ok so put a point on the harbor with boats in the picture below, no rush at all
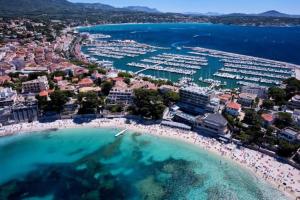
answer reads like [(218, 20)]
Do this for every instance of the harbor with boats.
[(202, 66)]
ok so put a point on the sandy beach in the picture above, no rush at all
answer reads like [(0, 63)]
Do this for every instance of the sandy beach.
[(282, 176)]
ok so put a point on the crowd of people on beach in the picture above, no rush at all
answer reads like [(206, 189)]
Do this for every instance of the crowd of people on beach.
[(283, 176)]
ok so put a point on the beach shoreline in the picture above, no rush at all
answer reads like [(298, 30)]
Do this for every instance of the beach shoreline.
[(282, 177)]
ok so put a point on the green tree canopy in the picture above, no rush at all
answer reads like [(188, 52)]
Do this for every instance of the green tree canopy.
[(268, 104), (58, 100), (170, 97), (283, 120), (278, 94), (106, 87), (148, 103), (124, 75), (251, 117), (88, 102)]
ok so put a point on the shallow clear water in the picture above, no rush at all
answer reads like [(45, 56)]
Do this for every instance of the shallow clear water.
[(93, 164)]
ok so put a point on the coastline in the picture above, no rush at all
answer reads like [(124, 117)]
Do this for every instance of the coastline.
[(282, 177)]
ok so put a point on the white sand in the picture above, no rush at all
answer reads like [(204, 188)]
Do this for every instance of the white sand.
[(283, 176)]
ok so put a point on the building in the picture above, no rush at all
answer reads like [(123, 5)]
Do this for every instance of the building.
[(296, 116), (233, 108), (35, 86), (225, 98), (247, 99), (90, 89), (214, 124), (176, 125), (290, 135), (294, 102), (7, 97), (5, 115), (70, 107), (25, 110), (120, 94), (198, 100), (167, 88), (267, 119), (185, 118), (260, 91), (136, 84), (86, 82)]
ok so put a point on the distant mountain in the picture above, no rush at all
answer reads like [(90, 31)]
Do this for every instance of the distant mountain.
[(273, 13), (94, 6), (203, 14), (142, 9), (270, 13), (19, 7), (34, 5)]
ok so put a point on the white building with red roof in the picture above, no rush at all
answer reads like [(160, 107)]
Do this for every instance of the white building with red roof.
[(233, 108)]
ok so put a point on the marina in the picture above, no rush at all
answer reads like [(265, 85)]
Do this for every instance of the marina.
[(118, 49), (201, 65)]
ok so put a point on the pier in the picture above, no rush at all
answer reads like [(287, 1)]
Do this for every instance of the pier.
[(140, 71), (121, 132)]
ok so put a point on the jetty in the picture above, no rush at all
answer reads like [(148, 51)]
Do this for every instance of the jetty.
[(121, 132)]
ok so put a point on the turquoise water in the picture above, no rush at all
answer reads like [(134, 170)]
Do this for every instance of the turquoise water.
[(93, 164), (277, 43)]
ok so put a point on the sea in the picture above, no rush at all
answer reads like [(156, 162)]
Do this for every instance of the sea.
[(91, 163), (276, 43)]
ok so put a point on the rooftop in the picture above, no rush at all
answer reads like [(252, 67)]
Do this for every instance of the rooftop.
[(234, 105), (267, 117), (247, 96), (197, 90), (215, 119), (86, 81)]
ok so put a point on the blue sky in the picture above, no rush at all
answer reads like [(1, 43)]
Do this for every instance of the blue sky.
[(203, 6)]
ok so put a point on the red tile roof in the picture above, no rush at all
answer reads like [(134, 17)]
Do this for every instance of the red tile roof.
[(118, 79), (233, 105), (267, 117), (86, 81), (4, 79), (43, 93)]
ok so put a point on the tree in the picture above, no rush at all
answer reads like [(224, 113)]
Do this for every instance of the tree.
[(283, 120), (286, 149), (89, 102), (124, 75), (127, 81), (256, 135), (148, 103), (292, 87), (58, 73), (116, 108), (58, 100), (267, 104), (42, 103), (106, 86), (251, 117), (170, 97), (278, 95)]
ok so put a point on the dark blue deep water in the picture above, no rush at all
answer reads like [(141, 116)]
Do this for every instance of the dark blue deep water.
[(277, 43)]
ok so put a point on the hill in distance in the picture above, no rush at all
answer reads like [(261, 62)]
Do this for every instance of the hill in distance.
[(270, 13), (142, 9)]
